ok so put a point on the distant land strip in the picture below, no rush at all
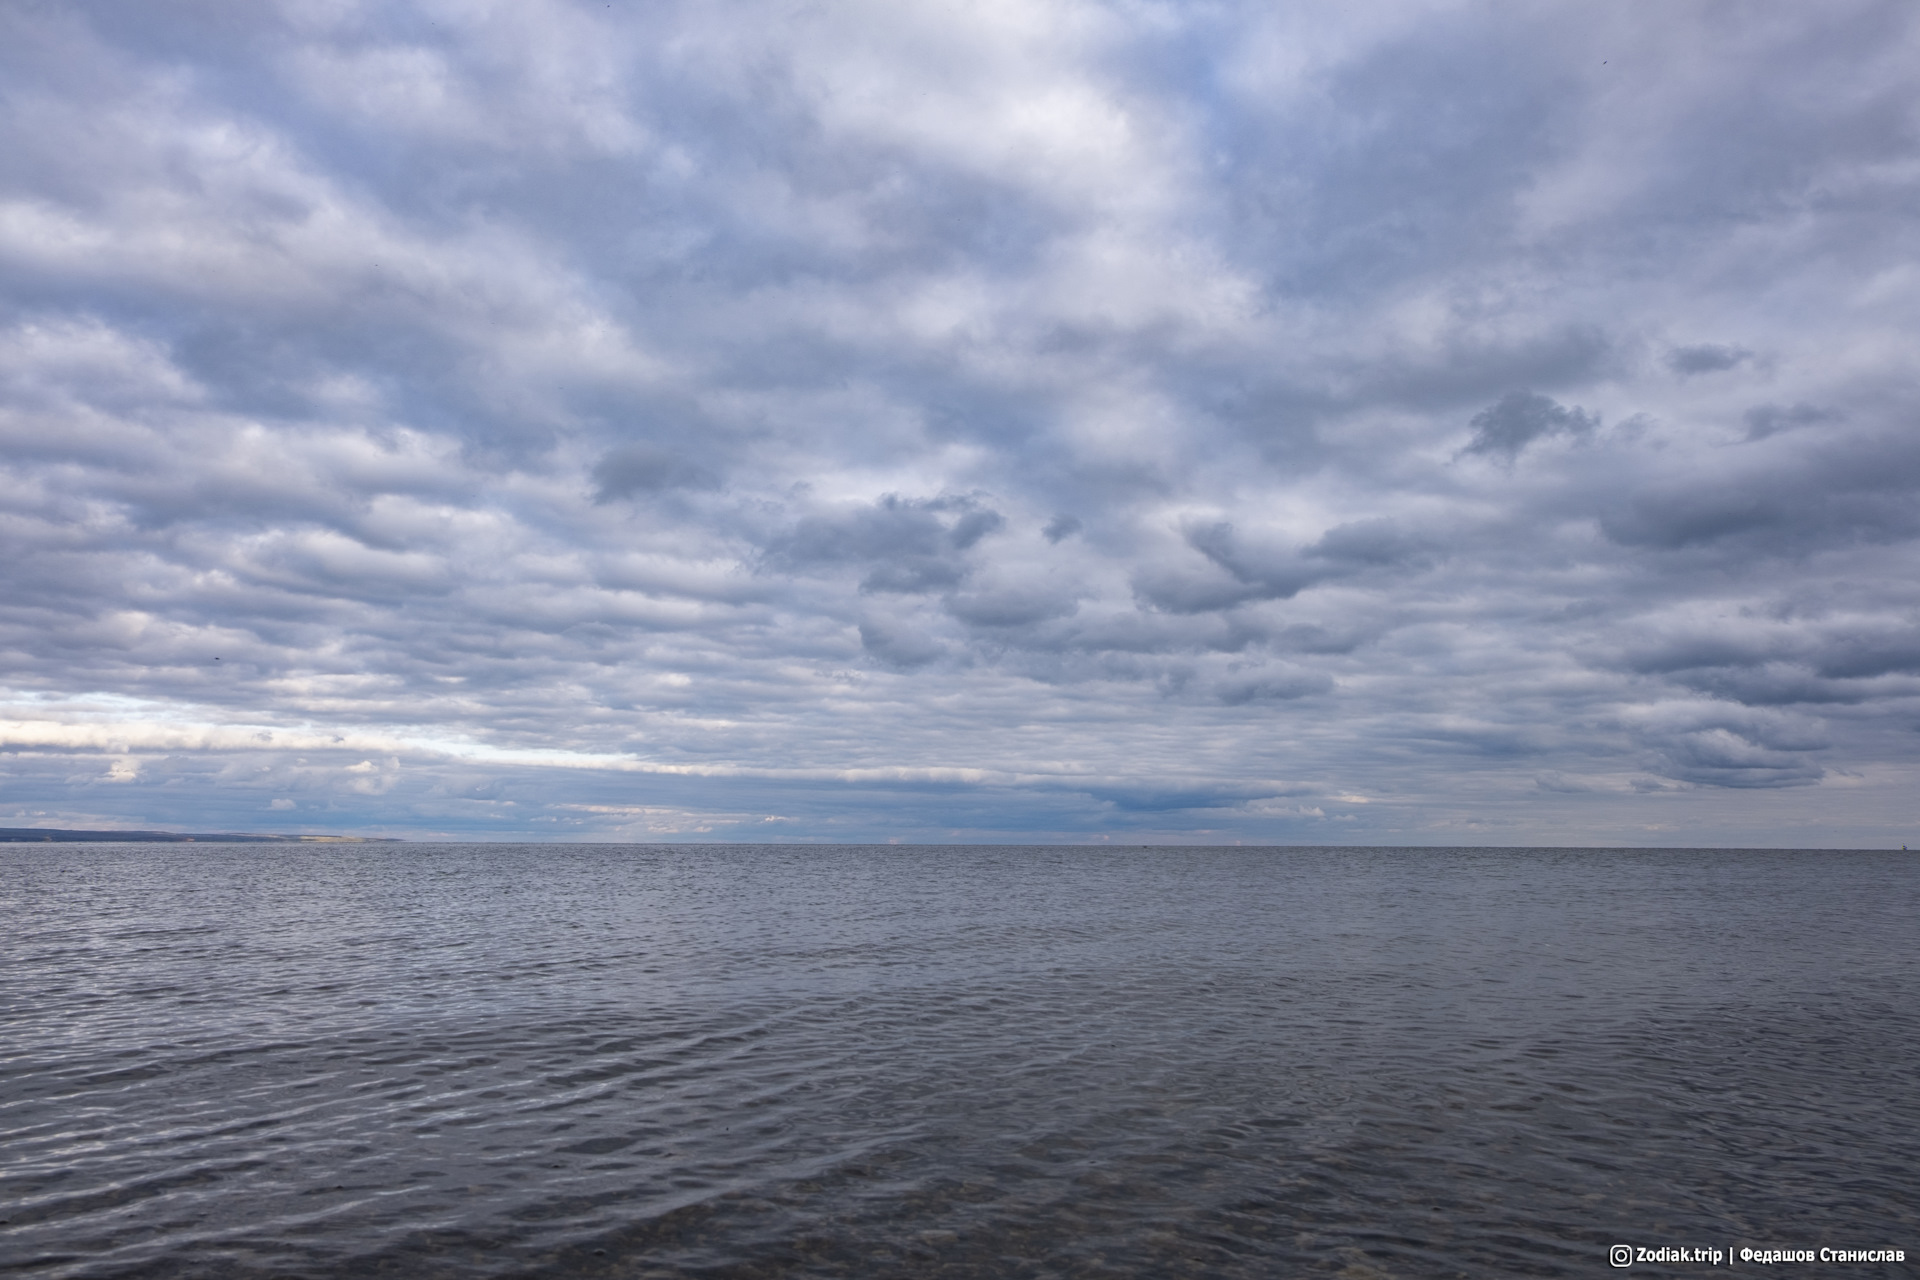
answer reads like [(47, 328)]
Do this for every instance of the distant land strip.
[(56, 835)]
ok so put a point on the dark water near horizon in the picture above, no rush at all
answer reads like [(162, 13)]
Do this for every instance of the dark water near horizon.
[(735, 1061)]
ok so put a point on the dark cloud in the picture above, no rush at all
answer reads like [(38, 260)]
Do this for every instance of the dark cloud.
[(898, 648), (1522, 417), (1707, 358), (1784, 685), (1265, 572), (1247, 571), (1180, 590), (1856, 656), (1468, 365), (1835, 492), (1365, 543), (1747, 753), (1273, 687), (1010, 608), (638, 469), (1160, 798), (907, 546), (1771, 419), (890, 528)]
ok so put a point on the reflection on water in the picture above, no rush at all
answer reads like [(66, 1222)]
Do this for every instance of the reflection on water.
[(779, 1061)]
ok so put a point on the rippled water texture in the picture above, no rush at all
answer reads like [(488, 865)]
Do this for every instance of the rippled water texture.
[(969, 1062)]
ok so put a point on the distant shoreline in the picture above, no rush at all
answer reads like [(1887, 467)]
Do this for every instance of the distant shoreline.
[(58, 835)]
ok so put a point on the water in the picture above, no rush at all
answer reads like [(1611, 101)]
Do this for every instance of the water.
[(481, 1060)]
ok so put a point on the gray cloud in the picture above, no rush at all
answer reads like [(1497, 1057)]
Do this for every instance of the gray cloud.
[(1375, 542), (908, 546), (637, 469), (1771, 419), (1277, 686), (898, 648), (782, 422), (1010, 608), (1731, 748), (1708, 357), (1522, 417), (1833, 492)]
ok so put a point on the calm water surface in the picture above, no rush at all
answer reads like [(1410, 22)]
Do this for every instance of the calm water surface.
[(491, 1060)]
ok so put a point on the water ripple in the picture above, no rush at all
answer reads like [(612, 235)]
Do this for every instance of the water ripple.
[(471, 1061)]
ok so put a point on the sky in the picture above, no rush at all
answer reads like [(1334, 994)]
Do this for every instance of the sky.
[(1020, 420)]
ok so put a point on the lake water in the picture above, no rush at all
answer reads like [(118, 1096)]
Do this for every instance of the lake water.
[(736, 1061)]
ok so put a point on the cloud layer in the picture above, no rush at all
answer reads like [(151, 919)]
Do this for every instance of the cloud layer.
[(1423, 423)]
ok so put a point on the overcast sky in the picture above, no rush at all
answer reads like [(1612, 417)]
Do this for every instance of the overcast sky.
[(1381, 423)]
